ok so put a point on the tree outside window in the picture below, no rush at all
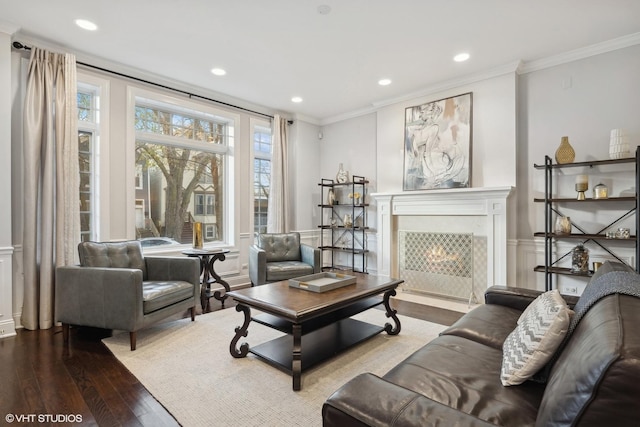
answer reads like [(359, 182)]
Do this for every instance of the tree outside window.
[(182, 156)]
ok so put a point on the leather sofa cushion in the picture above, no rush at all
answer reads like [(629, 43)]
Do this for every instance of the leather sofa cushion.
[(367, 400), (487, 324), (280, 246), (112, 254), (160, 294), (597, 373), (465, 375), (283, 270)]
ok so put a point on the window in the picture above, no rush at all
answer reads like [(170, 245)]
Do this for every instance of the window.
[(139, 177), (209, 232), (204, 204), (88, 114), (183, 155), (261, 175)]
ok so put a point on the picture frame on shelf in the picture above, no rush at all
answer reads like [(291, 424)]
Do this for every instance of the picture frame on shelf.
[(437, 144)]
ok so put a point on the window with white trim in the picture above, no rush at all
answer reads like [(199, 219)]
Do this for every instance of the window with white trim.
[(183, 153), (261, 175), (88, 102)]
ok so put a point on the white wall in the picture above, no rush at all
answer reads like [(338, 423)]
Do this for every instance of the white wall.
[(305, 166), (354, 144), (372, 145), (583, 100), (7, 324), (494, 134), (517, 120)]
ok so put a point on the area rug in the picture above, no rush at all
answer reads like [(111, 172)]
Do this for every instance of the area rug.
[(187, 367)]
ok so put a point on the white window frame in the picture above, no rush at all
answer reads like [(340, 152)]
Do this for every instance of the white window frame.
[(163, 100), (100, 165), (255, 123)]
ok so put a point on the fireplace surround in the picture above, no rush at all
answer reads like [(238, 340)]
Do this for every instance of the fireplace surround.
[(487, 212)]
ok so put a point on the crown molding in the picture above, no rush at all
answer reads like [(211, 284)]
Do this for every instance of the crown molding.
[(582, 53), (348, 115), (306, 119), (519, 67), (510, 68)]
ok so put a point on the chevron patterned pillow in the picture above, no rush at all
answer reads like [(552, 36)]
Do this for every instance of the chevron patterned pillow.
[(533, 342)]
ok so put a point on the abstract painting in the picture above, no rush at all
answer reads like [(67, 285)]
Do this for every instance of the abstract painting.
[(437, 144)]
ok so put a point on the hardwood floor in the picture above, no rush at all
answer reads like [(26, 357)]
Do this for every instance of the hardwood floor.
[(45, 380)]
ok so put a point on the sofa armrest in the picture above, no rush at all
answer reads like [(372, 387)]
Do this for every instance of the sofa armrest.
[(311, 256), (175, 268), (518, 298), (257, 265), (368, 400), (109, 298)]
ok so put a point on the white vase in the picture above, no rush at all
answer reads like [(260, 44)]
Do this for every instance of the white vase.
[(331, 197), (619, 145), (342, 176)]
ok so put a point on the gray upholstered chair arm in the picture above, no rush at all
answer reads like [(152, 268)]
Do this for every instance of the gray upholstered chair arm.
[(174, 268), (311, 256), (101, 297), (257, 265)]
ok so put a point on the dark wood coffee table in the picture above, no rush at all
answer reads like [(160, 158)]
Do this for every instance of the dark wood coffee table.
[(322, 319)]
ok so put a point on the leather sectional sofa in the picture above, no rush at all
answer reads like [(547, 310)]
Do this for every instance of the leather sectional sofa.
[(454, 380)]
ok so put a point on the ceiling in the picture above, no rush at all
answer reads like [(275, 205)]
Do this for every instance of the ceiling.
[(273, 50)]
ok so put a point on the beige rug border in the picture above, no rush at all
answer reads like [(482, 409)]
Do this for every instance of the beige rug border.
[(187, 367)]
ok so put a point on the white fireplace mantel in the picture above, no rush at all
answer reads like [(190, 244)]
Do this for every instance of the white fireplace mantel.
[(490, 203)]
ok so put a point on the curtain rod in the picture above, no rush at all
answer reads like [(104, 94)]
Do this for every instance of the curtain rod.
[(18, 45)]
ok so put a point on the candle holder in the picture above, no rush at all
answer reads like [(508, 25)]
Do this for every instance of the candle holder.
[(581, 187)]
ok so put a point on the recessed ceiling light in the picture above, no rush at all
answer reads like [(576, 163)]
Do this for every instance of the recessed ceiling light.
[(384, 82), (461, 57), (296, 99), (218, 71), (86, 25)]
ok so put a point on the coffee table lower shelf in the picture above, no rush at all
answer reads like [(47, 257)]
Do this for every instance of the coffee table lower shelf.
[(318, 345), (317, 326)]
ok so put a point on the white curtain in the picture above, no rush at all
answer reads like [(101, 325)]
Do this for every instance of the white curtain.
[(278, 220), (51, 181)]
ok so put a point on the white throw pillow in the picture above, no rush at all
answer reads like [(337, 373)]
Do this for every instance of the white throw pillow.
[(541, 329)]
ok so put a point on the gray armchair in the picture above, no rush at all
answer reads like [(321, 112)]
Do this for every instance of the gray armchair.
[(281, 256), (116, 287)]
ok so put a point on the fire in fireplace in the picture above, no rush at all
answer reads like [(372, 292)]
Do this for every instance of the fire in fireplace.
[(437, 263)]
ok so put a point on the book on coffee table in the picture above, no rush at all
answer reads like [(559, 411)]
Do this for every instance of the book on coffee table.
[(322, 282)]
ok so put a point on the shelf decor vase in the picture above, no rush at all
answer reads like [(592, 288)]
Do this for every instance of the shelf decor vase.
[(618, 145), (600, 191), (348, 221), (580, 259), (198, 237), (331, 197), (563, 225), (342, 176), (565, 152)]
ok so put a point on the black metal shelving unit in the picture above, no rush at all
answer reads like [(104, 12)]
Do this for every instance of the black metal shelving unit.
[(600, 239), (356, 249)]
